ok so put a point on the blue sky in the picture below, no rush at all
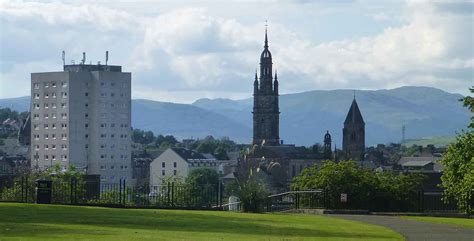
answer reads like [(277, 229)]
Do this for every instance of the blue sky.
[(181, 51)]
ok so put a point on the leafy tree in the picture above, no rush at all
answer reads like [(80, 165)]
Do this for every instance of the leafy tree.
[(202, 176), (458, 174), (252, 195)]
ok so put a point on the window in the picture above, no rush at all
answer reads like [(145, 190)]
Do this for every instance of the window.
[(46, 126), (36, 86), (103, 125), (46, 105), (53, 94), (87, 146), (37, 106), (53, 136), (102, 84), (103, 94), (86, 94), (174, 172), (46, 157), (112, 125), (46, 116), (87, 105), (46, 147), (53, 157), (64, 157), (64, 115), (86, 125), (36, 127), (63, 105), (163, 173), (36, 137), (36, 116), (46, 95), (53, 147), (86, 115), (112, 167), (102, 167), (53, 126), (46, 136), (53, 84), (64, 136), (112, 135), (53, 115), (63, 125), (103, 135), (64, 94), (64, 146), (174, 164), (37, 96), (64, 84), (46, 84), (86, 136), (53, 105), (163, 164), (102, 146), (37, 147)]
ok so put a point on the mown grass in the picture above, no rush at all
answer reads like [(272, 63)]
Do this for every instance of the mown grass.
[(463, 222), (55, 222)]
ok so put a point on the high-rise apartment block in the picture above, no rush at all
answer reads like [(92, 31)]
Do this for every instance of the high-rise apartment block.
[(82, 116)]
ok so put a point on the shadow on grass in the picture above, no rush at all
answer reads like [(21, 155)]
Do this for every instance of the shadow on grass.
[(38, 217)]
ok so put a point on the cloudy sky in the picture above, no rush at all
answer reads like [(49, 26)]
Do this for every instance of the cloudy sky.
[(181, 51)]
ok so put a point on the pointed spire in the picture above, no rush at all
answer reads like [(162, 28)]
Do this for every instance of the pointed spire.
[(276, 75), (256, 77), (266, 38)]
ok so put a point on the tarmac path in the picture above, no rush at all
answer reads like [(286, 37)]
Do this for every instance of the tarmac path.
[(414, 230)]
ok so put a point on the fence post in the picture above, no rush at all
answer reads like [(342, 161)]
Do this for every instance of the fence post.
[(172, 194), (124, 191), (169, 193)]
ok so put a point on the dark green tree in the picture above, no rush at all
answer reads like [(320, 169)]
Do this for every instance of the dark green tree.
[(203, 176)]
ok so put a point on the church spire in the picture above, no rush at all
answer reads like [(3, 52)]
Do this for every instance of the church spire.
[(266, 38)]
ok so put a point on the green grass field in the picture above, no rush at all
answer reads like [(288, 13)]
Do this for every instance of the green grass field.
[(464, 222), (54, 222)]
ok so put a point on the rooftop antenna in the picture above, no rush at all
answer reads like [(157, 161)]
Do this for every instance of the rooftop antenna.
[(64, 58), (106, 57), (83, 58)]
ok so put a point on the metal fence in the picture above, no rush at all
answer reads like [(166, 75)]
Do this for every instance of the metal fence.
[(81, 192), (420, 201)]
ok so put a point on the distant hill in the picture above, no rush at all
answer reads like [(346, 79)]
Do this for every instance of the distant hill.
[(306, 116), (437, 141), (19, 104)]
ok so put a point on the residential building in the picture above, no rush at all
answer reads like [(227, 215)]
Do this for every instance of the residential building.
[(176, 163), (81, 116)]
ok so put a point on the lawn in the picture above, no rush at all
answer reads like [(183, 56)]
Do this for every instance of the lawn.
[(55, 222), (464, 222)]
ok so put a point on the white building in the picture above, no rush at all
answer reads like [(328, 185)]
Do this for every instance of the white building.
[(176, 163), (82, 116)]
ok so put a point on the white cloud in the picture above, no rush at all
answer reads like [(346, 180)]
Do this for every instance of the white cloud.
[(185, 53)]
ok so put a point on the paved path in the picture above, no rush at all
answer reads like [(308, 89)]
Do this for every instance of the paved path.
[(414, 230)]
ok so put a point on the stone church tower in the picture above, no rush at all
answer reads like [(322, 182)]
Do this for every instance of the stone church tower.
[(353, 133), (266, 114)]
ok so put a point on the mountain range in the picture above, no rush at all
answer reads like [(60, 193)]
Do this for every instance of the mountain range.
[(305, 117)]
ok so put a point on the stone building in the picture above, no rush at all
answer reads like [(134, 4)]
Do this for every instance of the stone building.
[(82, 116), (353, 134), (266, 114)]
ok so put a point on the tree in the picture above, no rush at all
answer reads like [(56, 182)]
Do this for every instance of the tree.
[(203, 176), (458, 174)]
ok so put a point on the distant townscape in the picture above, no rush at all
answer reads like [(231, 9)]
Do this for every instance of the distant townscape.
[(80, 120)]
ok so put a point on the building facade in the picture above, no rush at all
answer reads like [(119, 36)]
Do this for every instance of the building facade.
[(176, 163), (266, 114), (353, 134), (81, 116)]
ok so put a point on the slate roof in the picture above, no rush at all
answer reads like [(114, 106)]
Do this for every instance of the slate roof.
[(354, 115), (416, 163), (188, 154), (404, 160)]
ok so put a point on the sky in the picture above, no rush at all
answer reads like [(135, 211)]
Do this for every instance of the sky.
[(181, 51)]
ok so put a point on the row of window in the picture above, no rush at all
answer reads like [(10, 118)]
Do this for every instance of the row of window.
[(47, 126), (53, 147), (49, 94), (51, 84), (163, 164), (103, 167), (47, 115), (53, 157), (163, 172), (47, 105), (47, 136), (123, 157)]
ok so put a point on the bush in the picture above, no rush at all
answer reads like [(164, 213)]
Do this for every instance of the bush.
[(253, 196)]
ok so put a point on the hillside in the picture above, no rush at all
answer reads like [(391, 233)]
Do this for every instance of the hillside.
[(306, 116)]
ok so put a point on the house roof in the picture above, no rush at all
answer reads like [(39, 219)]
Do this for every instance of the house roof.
[(188, 154), (416, 163), (354, 115), (418, 158)]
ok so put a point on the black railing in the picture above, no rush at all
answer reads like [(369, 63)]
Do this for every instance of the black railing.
[(80, 192), (420, 201)]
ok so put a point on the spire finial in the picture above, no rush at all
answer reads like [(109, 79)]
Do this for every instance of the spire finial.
[(256, 78), (266, 38), (276, 74), (354, 94)]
